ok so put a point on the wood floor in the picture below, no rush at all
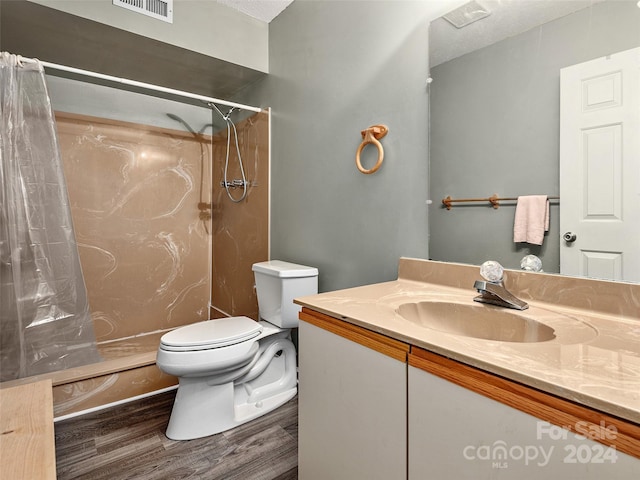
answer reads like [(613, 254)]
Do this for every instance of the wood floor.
[(128, 442)]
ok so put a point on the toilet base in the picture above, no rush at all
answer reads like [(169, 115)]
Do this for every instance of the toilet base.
[(204, 408)]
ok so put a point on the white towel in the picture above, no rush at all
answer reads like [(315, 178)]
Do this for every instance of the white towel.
[(531, 219)]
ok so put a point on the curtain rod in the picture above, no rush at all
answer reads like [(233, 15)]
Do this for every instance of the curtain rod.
[(147, 86)]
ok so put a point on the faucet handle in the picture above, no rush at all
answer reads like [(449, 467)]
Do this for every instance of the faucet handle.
[(492, 271), (531, 263)]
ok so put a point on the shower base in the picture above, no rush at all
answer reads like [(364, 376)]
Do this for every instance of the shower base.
[(127, 370)]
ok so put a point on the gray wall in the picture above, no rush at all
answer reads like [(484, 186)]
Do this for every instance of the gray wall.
[(206, 27), (495, 129), (168, 56), (336, 68)]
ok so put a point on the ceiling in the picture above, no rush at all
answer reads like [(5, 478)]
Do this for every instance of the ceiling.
[(264, 10), (507, 18)]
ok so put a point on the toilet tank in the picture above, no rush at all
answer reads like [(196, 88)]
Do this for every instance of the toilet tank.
[(277, 284)]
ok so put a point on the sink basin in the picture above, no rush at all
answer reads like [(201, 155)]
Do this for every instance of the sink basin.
[(478, 321)]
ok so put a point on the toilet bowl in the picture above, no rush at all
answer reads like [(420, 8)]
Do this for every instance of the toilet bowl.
[(234, 369)]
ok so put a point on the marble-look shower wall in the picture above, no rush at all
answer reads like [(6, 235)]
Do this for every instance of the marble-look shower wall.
[(144, 244), (241, 230)]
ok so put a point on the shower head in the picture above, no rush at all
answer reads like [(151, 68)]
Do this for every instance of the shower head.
[(175, 117)]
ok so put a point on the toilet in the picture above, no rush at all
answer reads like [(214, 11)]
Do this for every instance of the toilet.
[(232, 370)]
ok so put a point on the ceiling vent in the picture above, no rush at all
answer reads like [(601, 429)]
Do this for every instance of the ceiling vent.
[(466, 14), (159, 9)]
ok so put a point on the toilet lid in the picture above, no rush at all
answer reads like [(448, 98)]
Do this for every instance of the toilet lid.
[(211, 334)]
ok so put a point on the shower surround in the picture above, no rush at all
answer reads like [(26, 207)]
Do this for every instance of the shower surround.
[(151, 256), (134, 200), (240, 230)]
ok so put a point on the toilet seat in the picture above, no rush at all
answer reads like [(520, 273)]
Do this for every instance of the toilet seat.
[(210, 334)]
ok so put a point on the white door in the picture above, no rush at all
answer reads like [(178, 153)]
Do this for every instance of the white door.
[(600, 168)]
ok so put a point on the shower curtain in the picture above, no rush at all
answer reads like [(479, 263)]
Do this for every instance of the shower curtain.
[(44, 314)]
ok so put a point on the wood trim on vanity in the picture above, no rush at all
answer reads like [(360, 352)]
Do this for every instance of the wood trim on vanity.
[(547, 407), (26, 432), (375, 341)]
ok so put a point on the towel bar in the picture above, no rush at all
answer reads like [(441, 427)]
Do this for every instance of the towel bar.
[(494, 200)]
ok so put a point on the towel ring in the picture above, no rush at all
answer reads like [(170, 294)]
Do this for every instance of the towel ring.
[(372, 135)]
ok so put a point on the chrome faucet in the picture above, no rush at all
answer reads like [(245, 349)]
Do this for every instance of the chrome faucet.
[(492, 290), (496, 294)]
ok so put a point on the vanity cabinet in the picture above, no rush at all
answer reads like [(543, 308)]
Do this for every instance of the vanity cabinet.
[(352, 402), (372, 407), (497, 419), (464, 423)]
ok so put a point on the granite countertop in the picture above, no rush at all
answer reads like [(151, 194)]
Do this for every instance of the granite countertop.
[(593, 360)]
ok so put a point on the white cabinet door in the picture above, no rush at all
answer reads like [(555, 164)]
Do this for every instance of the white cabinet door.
[(455, 433), (352, 410)]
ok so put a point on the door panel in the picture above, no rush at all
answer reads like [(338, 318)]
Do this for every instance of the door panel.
[(600, 167)]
